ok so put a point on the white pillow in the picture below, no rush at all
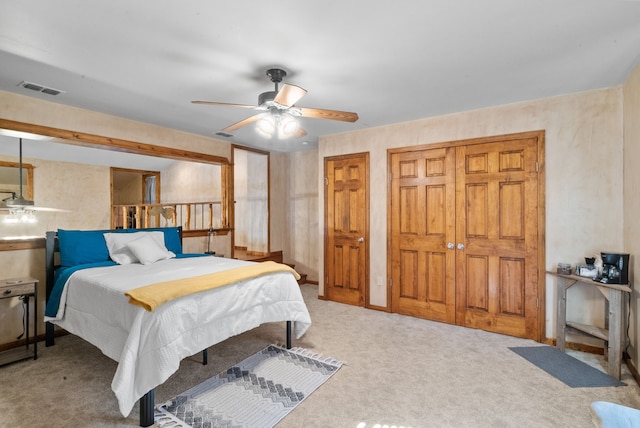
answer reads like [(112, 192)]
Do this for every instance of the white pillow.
[(117, 245), (148, 250)]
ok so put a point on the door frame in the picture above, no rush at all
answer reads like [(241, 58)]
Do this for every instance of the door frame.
[(367, 234), (232, 191), (113, 171), (541, 258)]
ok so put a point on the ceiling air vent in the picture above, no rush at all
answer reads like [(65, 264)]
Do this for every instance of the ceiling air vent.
[(40, 88), (224, 134)]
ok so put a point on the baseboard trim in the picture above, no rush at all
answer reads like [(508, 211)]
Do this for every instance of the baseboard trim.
[(581, 347), (378, 308)]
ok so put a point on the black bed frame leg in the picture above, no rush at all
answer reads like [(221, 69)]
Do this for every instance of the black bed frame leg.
[(48, 334), (147, 402)]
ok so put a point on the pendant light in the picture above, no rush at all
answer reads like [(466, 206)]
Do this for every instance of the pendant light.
[(20, 209)]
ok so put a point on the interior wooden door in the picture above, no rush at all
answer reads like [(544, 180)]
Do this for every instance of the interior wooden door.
[(497, 237), (347, 228), (423, 232)]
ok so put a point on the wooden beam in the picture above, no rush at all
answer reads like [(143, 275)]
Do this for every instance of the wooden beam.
[(21, 244), (115, 144)]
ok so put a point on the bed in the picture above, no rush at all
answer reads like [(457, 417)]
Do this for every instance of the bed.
[(86, 286)]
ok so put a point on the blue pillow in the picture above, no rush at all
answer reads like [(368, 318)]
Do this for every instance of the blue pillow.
[(78, 247)]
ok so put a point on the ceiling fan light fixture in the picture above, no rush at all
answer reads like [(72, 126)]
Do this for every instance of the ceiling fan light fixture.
[(278, 124), (288, 126), (266, 126)]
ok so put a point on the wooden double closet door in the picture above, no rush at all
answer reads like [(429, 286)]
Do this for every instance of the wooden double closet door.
[(466, 233)]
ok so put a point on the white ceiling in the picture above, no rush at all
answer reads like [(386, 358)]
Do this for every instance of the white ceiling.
[(390, 62)]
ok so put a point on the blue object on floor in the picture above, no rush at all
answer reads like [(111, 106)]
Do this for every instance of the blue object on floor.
[(611, 415), (564, 367)]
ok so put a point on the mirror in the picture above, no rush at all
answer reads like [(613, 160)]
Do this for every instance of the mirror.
[(91, 157), (188, 194), (251, 203), (10, 179)]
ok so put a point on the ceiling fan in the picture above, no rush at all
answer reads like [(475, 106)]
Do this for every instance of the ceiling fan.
[(279, 110)]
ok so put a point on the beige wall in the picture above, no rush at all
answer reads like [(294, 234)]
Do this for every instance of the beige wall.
[(632, 199), (583, 180), (278, 179), (191, 182), (302, 240), (81, 189), (88, 210)]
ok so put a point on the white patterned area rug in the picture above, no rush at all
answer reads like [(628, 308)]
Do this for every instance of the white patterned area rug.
[(258, 392)]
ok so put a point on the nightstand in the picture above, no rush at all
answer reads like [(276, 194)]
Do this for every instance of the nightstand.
[(24, 288)]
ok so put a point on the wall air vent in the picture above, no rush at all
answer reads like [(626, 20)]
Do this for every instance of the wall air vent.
[(224, 134), (40, 88)]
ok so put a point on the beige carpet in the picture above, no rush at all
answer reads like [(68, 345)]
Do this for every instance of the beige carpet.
[(398, 371)]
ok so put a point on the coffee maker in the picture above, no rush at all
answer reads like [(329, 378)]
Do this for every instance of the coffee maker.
[(615, 268)]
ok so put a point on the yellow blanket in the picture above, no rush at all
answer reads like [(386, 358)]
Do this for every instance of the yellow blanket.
[(153, 295)]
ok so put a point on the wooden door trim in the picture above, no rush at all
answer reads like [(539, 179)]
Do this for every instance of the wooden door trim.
[(323, 281), (541, 259), (144, 173), (539, 134), (390, 152), (542, 283)]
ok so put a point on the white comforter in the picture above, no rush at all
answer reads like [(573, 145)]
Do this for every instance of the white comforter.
[(150, 345)]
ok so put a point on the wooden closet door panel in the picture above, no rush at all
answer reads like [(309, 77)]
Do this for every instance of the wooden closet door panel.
[(422, 200), (496, 223)]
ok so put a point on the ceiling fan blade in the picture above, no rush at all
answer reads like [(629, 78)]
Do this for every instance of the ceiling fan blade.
[(214, 103), (316, 113), (242, 123), (289, 95)]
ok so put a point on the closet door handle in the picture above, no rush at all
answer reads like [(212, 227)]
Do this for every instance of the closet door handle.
[(361, 239), (461, 246), (450, 245)]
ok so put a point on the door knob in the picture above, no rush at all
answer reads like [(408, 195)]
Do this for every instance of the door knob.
[(450, 245), (461, 246), (360, 239)]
